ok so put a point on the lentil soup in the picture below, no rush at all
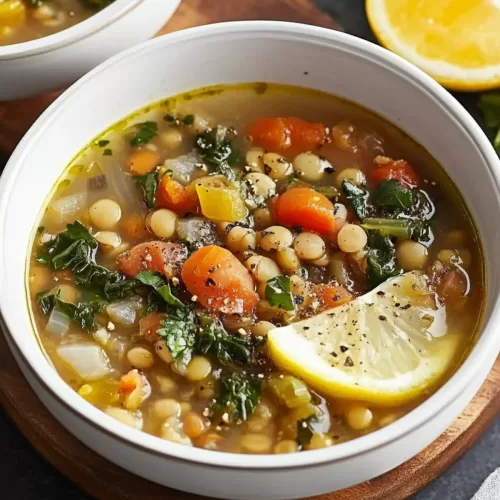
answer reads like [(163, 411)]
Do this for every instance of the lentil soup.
[(255, 269), (24, 20)]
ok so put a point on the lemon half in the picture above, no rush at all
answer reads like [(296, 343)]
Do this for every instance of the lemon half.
[(457, 42), (386, 347)]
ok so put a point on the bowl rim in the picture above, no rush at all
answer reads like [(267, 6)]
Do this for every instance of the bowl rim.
[(480, 355), (94, 23)]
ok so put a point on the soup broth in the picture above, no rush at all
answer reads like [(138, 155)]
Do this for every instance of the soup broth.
[(255, 269), (24, 20)]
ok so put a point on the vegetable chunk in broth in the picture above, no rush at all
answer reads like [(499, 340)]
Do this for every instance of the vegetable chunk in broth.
[(24, 20), (255, 269)]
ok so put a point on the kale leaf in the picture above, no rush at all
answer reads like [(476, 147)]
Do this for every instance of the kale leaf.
[(226, 348), (490, 106), (149, 184), (215, 148), (82, 313), (278, 293), (239, 395), (381, 259), (392, 194), (357, 197), (162, 287)]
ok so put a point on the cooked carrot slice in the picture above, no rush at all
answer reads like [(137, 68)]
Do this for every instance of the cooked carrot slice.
[(174, 196), (142, 161), (330, 296), (307, 208), (284, 135), (219, 281), (160, 256), (149, 325), (134, 227)]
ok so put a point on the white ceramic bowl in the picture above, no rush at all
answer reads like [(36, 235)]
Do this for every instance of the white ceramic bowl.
[(230, 53), (58, 60)]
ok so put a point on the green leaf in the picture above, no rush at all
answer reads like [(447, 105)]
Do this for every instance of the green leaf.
[(161, 285), (216, 149), (107, 152), (278, 293), (490, 106), (179, 332), (392, 194), (357, 197), (380, 259), (228, 349), (81, 313), (145, 131), (149, 184), (188, 120), (239, 395), (102, 143), (305, 430)]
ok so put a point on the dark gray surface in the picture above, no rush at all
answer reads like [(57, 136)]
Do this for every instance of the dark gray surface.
[(24, 475)]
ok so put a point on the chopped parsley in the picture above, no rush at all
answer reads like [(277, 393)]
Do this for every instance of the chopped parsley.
[(278, 293), (145, 131)]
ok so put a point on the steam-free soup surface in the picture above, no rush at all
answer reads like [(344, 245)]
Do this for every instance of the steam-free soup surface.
[(255, 269), (24, 20)]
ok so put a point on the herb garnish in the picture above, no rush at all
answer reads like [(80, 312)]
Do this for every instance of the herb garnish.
[(145, 131), (178, 330), (215, 148), (278, 293), (161, 286), (239, 395), (102, 143), (149, 184)]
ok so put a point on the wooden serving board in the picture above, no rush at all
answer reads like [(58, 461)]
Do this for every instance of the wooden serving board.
[(102, 479)]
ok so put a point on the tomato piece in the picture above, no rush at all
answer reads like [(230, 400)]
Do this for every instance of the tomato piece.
[(284, 135), (149, 325), (160, 256), (174, 196), (219, 281), (330, 296), (399, 170), (307, 208)]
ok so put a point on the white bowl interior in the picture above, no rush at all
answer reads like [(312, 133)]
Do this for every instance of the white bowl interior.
[(233, 53)]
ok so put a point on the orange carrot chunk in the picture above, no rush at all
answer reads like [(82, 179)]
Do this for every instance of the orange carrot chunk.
[(330, 296), (160, 256), (400, 171), (284, 135), (142, 161), (307, 208), (149, 325), (174, 196), (219, 281)]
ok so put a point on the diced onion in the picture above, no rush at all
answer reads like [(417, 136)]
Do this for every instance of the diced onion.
[(65, 209), (183, 167), (58, 324), (125, 311), (197, 229), (89, 361)]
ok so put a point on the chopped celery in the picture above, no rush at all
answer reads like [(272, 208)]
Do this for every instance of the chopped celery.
[(397, 228), (290, 391)]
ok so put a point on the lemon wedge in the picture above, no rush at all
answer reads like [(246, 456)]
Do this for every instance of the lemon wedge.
[(457, 42), (386, 347)]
